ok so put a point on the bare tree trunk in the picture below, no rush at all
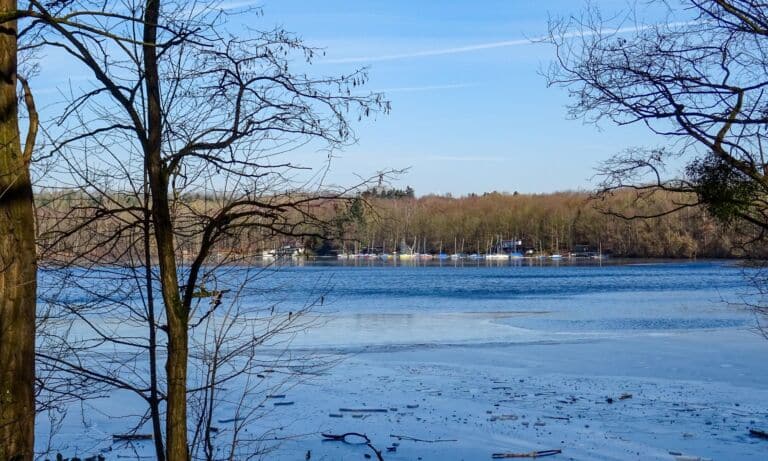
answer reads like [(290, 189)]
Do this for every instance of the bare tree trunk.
[(176, 366), (154, 397), (18, 266)]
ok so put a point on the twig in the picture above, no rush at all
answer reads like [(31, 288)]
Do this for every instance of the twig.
[(343, 438), (363, 410), (413, 439), (131, 436), (533, 454)]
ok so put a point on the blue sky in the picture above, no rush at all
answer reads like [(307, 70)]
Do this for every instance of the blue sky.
[(470, 110)]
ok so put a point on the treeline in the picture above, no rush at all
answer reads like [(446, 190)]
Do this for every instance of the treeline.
[(87, 227), (554, 222), (548, 223)]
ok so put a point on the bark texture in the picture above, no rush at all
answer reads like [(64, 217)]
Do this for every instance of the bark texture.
[(176, 366), (18, 267)]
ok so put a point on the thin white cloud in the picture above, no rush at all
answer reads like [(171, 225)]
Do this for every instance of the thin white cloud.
[(487, 46), (438, 52)]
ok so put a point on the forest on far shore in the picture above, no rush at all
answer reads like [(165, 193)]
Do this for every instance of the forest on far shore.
[(382, 220), (548, 223)]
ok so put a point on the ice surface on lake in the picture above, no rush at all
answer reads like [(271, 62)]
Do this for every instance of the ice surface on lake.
[(508, 359)]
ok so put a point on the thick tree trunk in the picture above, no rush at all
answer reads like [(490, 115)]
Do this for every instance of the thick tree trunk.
[(18, 267), (176, 365)]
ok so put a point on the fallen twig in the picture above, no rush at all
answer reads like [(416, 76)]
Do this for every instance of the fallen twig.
[(131, 436), (363, 410), (503, 418), (413, 439), (533, 454), (343, 438)]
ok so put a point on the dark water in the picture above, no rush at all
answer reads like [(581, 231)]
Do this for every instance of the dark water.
[(616, 296), (382, 282)]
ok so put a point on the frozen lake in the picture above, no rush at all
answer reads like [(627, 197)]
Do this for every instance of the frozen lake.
[(474, 360)]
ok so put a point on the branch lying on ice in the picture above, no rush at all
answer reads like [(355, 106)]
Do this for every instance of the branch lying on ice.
[(533, 454), (354, 438)]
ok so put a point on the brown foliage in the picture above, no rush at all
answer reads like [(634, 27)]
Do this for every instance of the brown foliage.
[(544, 222)]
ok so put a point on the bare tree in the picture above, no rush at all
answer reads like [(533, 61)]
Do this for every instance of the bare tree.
[(699, 79), (179, 106), (18, 262), (695, 73)]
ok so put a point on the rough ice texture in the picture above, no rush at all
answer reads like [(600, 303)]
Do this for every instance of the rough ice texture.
[(517, 374)]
